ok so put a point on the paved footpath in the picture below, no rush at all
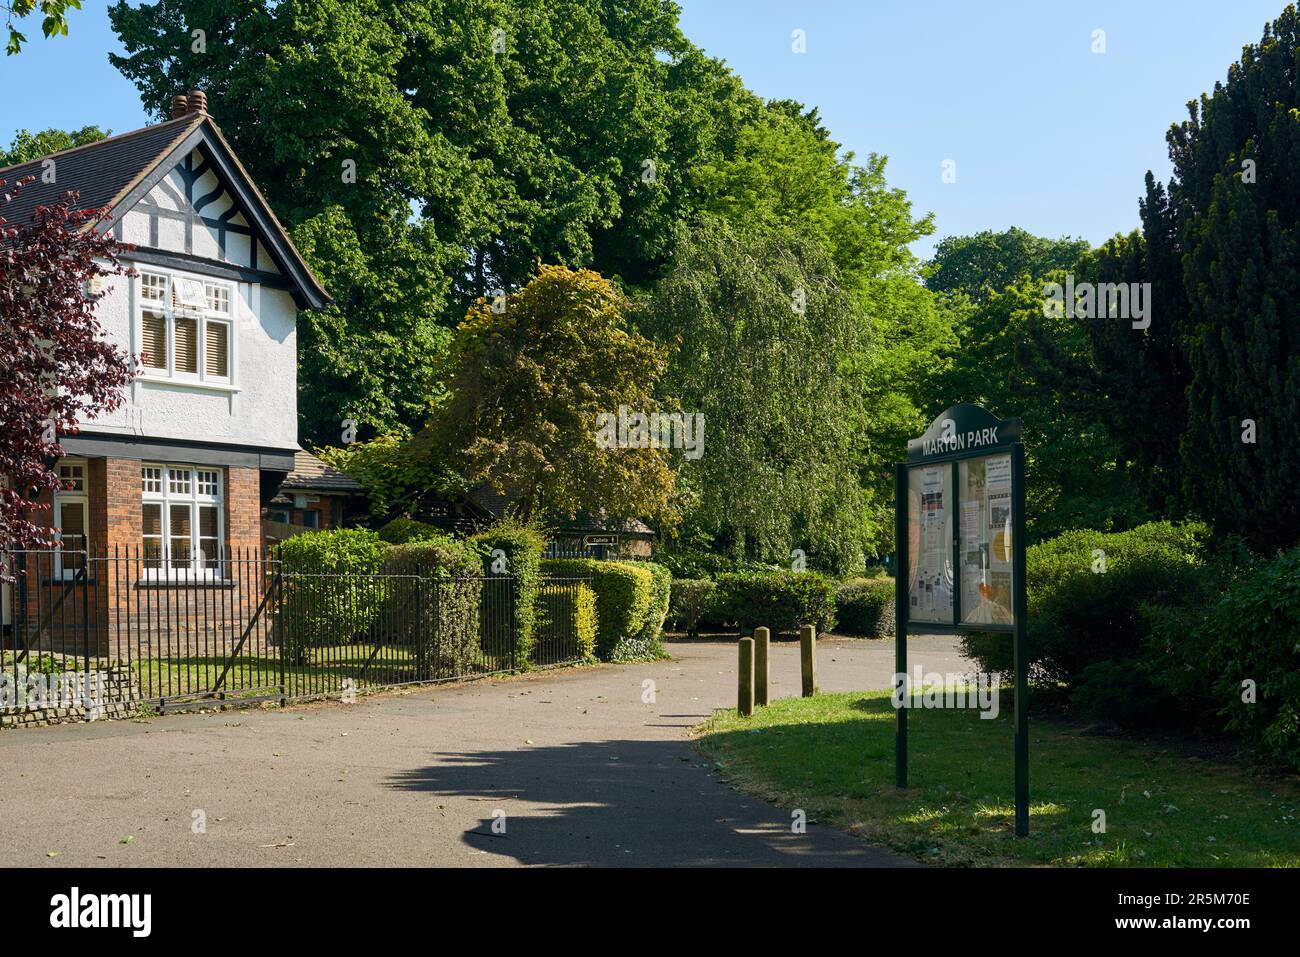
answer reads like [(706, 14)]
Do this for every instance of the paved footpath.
[(586, 773)]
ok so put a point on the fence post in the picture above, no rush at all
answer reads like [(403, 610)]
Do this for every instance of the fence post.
[(808, 659), (762, 641), (745, 681), (282, 620)]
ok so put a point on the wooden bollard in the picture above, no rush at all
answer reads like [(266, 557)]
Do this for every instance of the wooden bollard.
[(808, 659), (762, 641), (745, 680)]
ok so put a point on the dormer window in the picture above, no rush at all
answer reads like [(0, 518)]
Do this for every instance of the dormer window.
[(185, 328)]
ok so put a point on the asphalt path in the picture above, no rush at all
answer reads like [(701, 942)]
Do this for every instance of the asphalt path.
[(577, 766)]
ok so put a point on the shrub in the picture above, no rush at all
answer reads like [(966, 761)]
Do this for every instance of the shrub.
[(1078, 616), (661, 590), (568, 609), (1253, 633), (865, 606), (443, 620), (783, 601), (690, 600), (330, 594), (705, 563), (624, 596), (521, 548), (1115, 691), (401, 531)]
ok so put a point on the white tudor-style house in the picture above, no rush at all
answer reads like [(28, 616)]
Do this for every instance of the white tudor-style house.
[(209, 429)]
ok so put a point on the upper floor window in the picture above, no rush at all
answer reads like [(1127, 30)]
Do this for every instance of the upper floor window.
[(185, 328)]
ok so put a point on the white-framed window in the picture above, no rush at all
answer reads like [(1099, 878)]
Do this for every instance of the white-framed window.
[(183, 512), (71, 517), (185, 327)]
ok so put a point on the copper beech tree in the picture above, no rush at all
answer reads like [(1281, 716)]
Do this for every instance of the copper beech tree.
[(55, 364)]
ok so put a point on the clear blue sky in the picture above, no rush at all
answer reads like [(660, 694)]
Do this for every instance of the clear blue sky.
[(1045, 134)]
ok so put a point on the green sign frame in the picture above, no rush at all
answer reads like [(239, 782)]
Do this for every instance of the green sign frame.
[(970, 443)]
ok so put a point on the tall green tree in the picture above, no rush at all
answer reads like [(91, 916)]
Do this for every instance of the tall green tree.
[(1228, 219), (789, 181), (532, 382), (1017, 360), (28, 146), (1137, 381), (486, 135), (768, 351), (988, 262)]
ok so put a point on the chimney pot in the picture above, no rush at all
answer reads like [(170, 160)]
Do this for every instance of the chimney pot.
[(180, 106), (198, 102)]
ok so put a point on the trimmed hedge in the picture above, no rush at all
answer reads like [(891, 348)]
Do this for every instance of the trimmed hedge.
[(661, 591), (521, 547), (782, 601), (569, 609), (445, 621), (1078, 616), (689, 603), (402, 531), (865, 606), (329, 597), (624, 600)]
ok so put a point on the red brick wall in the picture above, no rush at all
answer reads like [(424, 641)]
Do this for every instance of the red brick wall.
[(243, 510), (120, 500), (130, 618)]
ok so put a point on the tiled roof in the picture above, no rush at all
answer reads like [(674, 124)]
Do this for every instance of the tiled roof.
[(103, 172), (310, 474)]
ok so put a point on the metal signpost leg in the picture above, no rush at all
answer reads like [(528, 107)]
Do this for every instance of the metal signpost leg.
[(1021, 650), (900, 620)]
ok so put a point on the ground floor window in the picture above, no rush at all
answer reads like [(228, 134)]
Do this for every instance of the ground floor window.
[(183, 511), (71, 517)]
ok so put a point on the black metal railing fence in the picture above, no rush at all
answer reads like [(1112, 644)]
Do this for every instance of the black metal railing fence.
[(244, 628)]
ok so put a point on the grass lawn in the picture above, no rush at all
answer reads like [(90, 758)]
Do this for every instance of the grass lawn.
[(833, 756)]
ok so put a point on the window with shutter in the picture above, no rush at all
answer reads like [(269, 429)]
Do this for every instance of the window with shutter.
[(187, 345), (217, 345), (154, 345)]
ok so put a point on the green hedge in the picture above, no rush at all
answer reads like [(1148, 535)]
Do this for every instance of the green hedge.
[(624, 598), (443, 622), (661, 591), (569, 609), (402, 531), (521, 548), (1253, 634), (865, 606), (329, 597), (1078, 616), (782, 601), (690, 602)]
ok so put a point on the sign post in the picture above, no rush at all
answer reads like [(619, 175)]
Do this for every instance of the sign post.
[(959, 531)]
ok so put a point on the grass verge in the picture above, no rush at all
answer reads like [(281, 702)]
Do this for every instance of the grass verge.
[(833, 756)]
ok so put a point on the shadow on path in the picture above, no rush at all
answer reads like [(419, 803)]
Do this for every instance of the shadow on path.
[(625, 803)]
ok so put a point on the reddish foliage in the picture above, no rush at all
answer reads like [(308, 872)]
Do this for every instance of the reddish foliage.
[(55, 363)]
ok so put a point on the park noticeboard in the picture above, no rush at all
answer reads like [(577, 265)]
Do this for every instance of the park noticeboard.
[(960, 546)]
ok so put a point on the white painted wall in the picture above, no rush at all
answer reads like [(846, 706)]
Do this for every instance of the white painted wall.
[(258, 408)]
